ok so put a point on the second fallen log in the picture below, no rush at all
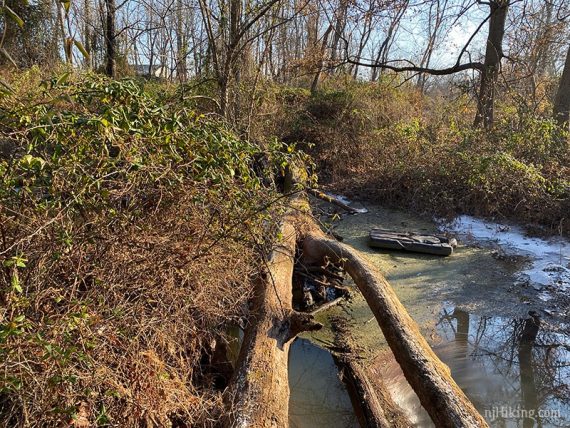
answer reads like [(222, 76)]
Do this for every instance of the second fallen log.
[(442, 398)]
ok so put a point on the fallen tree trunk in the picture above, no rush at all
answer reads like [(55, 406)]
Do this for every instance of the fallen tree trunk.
[(258, 395), (373, 406), (331, 200), (444, 401)]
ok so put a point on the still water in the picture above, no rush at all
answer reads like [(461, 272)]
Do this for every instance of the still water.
[(318, 397), (515, 371), (513, 365)]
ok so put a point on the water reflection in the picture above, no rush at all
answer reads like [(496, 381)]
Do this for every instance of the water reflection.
[(516, 371), (318, 397)]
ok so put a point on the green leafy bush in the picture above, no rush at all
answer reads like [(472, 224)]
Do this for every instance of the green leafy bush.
[(399, 147)]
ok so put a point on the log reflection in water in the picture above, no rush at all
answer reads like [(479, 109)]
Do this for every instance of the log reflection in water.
[(506, 363)]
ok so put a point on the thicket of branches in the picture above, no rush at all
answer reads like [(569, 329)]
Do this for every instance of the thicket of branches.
[(131, 228), (520, 43)]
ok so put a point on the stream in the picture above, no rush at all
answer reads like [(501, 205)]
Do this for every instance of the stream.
[(496, 312)]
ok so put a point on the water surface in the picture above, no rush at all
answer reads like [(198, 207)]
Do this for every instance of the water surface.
[(474, 311), (318, 397)]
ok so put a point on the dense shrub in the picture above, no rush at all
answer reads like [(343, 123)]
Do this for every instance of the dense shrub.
[(131, 228), (398, 147)]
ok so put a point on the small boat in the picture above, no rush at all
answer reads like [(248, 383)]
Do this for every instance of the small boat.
[(414, 242)]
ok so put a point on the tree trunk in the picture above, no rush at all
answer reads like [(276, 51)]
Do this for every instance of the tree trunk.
[(492, 64), (67, 44), (445, 402), (87, 34), (110, 41), (366, 32), (181, 44), (384, 50), (321, 60), (223, 84), (339, 29), (562, 100), (259, 392), (434, 27)]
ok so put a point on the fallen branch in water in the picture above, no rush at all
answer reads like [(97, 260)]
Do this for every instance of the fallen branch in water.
[(331, 200), (444, 401), (328, 305)]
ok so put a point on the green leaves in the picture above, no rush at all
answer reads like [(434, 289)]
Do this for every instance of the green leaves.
[(82, 49), (14, 327), (31, 162), (15, 282), (8, 12), (15, 263), (92, 137), (95, 159)]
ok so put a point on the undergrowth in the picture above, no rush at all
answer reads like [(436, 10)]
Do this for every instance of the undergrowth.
[(394, 146), (131, 228)]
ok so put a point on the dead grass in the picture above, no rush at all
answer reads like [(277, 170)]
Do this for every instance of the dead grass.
[(117, 326), (131, 230)]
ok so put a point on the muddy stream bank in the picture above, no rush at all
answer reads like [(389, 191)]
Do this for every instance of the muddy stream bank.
[(496, 312)]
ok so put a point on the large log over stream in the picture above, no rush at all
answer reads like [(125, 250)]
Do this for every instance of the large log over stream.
[(444, 401), (258, 394)]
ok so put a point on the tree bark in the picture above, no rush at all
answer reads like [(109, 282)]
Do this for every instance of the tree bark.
[(110, 42), (445, 402), (435, 20), (340, 25), (562, 99), (259, 392), (87, 33), (321, 60), (181, 44), (492, 64), (384, 50), (372, 409)]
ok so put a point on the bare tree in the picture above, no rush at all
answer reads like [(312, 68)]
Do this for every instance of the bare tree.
[(385, 45), (435, 17), (562, 99), (492, 64)]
